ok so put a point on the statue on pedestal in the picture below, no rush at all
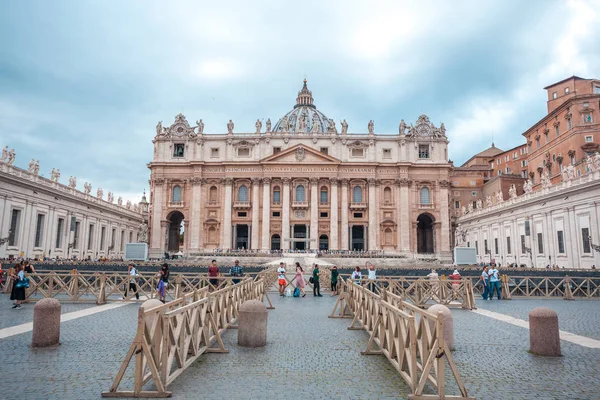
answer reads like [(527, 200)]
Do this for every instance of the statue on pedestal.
[(111, 197), (528, 186), (470, 207), (331, 128), (230, 126), (4, 154), (402, 127), (512, 191), (36, 167), (597, 161), (371, 127), (315, 123), (11, 157), (268, 125), (546, 183), (120, 201), (143, 232), (258, 126), (499, 196), (99, 193), (128, 204), (55, 175), (200, 126), (284, 124), (72, 182), (488, 201), (479, 204), (159, 128), (31, 166), (344, 127), (87, 188)]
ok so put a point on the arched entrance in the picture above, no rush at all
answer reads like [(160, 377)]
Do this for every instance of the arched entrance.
[(357, 237), (175, 231), (323, 242), (275, 242), (425, 234)]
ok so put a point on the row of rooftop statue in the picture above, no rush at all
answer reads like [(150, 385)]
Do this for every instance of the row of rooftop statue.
[(568, 174), (9, 156), (289, 125)]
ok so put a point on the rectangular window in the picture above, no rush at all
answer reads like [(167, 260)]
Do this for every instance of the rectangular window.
[(276, 196), (485, 246), (387, 153), (507, 170), (214, 152), (323, 196), (523, 251), (15, 222), (569, 124), (585, 235), (76, 235), (506, 158), (423, 151), (130, 237), (557, 130), (324, 150), (561, 242), (243, 152), (39, 230), (112, 238), (476, 248), (358, 215), (59, 232), (554, 95), (324, 215), (508, 245), (277, 213), (102, 237), (537, 143), (596, 89), (589, 139), (540, 239), (242, 214), (276, 150), (358, 152), (122, 241), (566, 90), (495, 245), (523, 163), (90, 237), (457, 204), (178, 149)]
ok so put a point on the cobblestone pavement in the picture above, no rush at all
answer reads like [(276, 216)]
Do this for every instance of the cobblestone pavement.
[(309, 356)]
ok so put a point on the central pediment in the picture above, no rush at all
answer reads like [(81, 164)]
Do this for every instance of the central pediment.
[(300, 154)]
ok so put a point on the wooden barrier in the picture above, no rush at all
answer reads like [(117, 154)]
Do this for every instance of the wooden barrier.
[(567, 287), (172, 336), (411, 339)]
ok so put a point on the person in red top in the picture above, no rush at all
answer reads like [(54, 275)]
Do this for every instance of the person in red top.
[(455, 277), (213, 273)]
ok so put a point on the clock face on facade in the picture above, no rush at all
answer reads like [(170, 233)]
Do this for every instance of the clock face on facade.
[(180, 130), (423, 130)]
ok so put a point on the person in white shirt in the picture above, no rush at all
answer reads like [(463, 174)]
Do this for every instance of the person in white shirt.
[(281, 278), (372, 277), (132, 271), (485, 279), (356, 275), (494, 283)]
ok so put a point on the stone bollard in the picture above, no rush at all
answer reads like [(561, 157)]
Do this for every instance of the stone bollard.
[(544, 338), (447, 321), (46, 323), (252, 324)]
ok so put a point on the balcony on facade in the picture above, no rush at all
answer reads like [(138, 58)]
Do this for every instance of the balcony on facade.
[(428, 206), (300, 205), (175, 204), (242, 205), (358, 206)]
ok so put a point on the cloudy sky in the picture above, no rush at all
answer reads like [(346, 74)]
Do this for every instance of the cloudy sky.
[(83, 83)]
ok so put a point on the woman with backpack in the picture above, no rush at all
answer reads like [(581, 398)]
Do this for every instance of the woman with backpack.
[(299, 278)]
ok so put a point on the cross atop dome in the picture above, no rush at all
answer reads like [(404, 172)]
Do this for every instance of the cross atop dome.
[(304, 97)]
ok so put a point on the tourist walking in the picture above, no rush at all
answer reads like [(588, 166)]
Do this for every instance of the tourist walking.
[(334, 280), (132, 272), (281, 278), (316, 283), (236, 271), (213, 275), (299, 278), (485, 279), (455, 277), (18, 292), (434, 278), (494, 284), (163, 282), (356, 275), (372, 277)]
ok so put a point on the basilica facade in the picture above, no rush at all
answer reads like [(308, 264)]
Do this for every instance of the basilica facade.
[(300, 184)]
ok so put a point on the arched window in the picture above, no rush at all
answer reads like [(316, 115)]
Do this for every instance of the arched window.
[(323, 242), (300, 193), (357, 194), (212, 195), (324, 194), (276, 194), (387, 195), (176, 194), (212, 235), (388, 236), (425, 196), (243, 193)]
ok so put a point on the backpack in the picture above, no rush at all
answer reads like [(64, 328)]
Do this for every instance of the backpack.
[(297, 292), (311, 280)]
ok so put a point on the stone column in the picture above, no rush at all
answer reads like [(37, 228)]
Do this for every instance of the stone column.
[(333, 215), (404, 226), (314, 214), (345, 226), (156, 237), (195, 220), (444, 216), (255, 213), (372, 214), (226, 244), (285, 216), (266, 217)]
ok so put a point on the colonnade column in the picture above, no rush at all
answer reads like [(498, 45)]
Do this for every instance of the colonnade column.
[(195, 219), (372, 215), (226, 244), (444, 215), (314, 214), (404, 228), (266, 218), (285, 216), (255, 213), (344, 227), (333, 215)]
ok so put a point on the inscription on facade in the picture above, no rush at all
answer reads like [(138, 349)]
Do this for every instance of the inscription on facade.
[(293, 168), (243, 169), (358, 169)]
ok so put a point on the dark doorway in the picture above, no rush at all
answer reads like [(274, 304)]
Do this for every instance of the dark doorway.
[(300, 233), (425, 234), (175, 234), (241, 237), (323, 242), (358, 237), (275, 242)]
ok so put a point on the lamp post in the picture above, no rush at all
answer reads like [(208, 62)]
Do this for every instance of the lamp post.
[(5, 239)]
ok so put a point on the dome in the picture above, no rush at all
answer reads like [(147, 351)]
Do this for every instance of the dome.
[(303, 117)]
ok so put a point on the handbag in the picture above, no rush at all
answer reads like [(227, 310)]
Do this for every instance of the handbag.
[(22, 283), (311, 280)]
